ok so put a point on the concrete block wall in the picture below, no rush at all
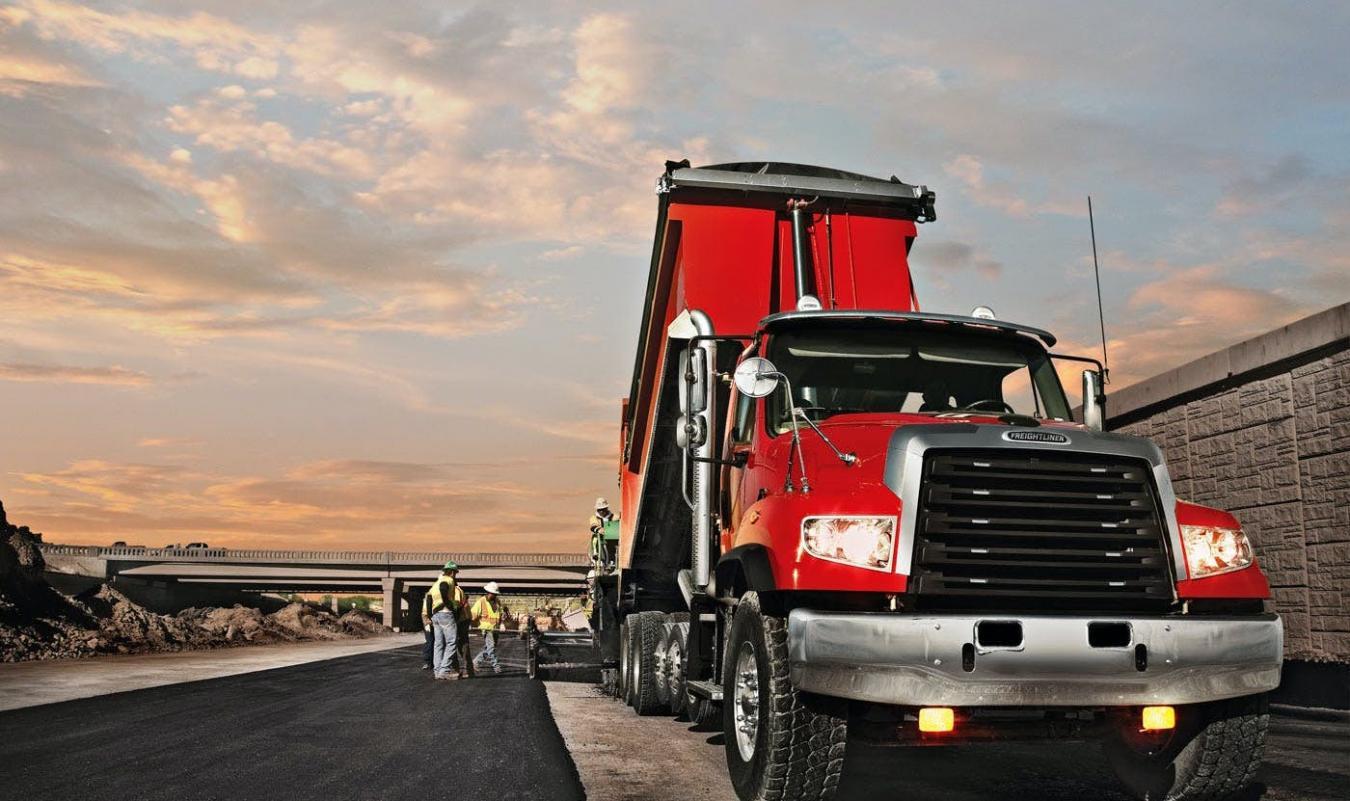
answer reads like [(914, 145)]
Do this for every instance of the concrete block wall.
[(1276, 453), (1270, 444)]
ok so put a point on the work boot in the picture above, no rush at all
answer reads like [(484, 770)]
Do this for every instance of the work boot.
[(463, 675)]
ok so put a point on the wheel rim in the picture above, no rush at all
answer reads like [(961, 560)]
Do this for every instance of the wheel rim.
[(674, 672), (660, 669), (745, 701)]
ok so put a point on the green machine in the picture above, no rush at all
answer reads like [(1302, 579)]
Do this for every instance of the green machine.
[(605, 545)]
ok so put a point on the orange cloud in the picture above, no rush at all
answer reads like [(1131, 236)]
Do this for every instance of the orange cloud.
[(342, 503), (66, 374)]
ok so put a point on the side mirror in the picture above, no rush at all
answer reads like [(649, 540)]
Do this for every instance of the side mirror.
[(1094, 400), (694, 389), (756, 377)]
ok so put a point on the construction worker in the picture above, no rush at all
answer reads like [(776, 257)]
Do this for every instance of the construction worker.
[(442, 606), (601, 552), (488, 612)]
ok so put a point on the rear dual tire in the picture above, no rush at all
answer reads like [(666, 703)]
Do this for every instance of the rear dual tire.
[(645, 631), (674, 664)]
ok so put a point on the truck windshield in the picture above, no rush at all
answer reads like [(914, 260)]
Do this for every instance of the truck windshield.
[(900, 369)]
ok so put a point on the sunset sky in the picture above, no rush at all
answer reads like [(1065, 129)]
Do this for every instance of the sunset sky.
[(353, 274)]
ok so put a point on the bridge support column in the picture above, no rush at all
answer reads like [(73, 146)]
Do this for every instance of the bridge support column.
[(393, 602)]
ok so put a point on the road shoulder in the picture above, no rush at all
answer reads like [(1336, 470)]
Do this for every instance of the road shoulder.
[(623, 757), (24, 684)]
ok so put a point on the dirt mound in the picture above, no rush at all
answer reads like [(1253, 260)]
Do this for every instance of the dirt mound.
[(21, 564), (360, 624), (37, 622)]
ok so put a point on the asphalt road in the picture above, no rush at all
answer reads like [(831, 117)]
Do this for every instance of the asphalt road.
[(371, 726)]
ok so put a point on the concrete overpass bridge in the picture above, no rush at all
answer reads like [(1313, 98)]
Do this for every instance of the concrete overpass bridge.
[(164, 578)]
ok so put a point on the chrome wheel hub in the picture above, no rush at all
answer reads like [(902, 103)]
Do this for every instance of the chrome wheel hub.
[(745, 701), (674, 672)]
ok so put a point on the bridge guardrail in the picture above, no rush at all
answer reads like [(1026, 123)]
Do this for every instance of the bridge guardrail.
[(391, 558)]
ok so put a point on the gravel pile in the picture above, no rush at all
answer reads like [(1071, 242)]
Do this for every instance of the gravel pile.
[(37, 622)]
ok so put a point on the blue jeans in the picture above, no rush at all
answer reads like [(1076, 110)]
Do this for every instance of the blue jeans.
[(443, 624), (489, 652)]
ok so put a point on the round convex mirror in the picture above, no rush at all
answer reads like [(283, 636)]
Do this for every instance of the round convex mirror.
[(756, 377)]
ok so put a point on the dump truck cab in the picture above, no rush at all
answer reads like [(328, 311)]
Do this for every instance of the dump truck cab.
[(846, 517)]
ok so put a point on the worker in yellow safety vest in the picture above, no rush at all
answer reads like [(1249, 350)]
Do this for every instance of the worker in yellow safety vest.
[(441, 608), (488, 612)]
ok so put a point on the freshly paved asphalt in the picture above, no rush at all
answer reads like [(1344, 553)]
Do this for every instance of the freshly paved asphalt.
[(374, 726), (371, 726)]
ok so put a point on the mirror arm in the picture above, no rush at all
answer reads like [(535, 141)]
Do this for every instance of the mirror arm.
[(846, 458), (1085, 360), (796, 435), (736, 460)]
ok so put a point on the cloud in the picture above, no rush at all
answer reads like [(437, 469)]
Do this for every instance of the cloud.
[(212, 42), (951, 256), (228, 124), (1191, 312), (169, 442), (1265, 192), (66, 374), (969, 171), (349, 502)]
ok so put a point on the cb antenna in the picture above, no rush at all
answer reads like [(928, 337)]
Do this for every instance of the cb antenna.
[(1097, 272)]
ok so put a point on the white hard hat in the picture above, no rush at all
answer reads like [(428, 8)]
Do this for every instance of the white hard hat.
[(601, 503), (491, 588)]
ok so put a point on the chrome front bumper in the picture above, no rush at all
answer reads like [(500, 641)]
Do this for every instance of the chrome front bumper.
[(917, 660)]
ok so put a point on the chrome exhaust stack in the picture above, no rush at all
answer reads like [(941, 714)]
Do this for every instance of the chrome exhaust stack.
[(694, 433)]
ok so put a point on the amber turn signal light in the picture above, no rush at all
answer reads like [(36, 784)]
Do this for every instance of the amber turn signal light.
[(1159, 718), (937, 719)]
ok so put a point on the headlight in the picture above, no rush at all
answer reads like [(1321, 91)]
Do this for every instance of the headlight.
[(862, 541), (1211, 550)]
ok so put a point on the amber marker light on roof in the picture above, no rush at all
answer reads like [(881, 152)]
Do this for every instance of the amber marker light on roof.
[(1159, 718), (936, 719)]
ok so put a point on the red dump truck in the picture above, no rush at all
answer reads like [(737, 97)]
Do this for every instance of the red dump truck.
[(847, 519)]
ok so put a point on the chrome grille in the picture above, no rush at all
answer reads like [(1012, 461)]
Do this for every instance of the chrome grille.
[(1038, 530)]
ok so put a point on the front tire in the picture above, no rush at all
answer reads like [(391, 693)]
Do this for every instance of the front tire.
[(1211, 755), (781, 745)]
